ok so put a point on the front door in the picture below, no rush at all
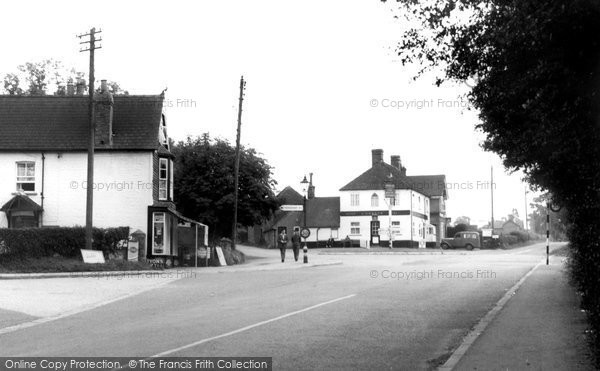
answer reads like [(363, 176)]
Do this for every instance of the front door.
[(375, 232)]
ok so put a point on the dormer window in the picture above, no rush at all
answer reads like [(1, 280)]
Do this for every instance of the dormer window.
[(26, 176)]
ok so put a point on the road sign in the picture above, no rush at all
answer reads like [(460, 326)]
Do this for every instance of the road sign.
[(202, 252), (132, 250), (305, 232), (92, 256), (390, 190), (291, 207)]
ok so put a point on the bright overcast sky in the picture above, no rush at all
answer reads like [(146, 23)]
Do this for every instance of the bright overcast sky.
[(314, 69)]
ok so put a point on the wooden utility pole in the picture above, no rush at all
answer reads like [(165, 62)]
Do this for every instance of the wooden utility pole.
[(89, 206), (236, 170)]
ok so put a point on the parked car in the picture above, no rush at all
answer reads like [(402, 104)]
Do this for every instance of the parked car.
[(467, 239)]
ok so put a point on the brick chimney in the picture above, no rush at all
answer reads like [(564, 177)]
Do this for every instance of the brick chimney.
[(395, 162), (311, 188), (104, 116), (80, 87), (376, 156), (70, 88)]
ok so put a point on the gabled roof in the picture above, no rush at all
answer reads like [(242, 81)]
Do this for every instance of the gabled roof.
[(289, 196), (323, 212), (21, 203), (430, 185), (60, 123), (377, 176)]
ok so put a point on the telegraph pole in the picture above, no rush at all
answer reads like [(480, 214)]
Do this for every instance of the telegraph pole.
[(89, 206), (236, 170)]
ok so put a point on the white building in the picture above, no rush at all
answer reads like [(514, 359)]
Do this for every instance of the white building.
[(367, 215), (43, 156)]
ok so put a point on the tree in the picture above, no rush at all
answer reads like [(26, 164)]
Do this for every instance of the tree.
[(463, 220), (459, 227), (204, 182), (44, 77), (536, 71)]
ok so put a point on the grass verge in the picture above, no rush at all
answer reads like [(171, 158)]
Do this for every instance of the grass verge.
[(61, 264)]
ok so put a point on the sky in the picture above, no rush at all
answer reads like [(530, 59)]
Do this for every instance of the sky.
[(324, 86)]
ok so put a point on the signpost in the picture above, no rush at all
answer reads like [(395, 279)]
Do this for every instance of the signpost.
[(390, 195), (221, 256), (92, 256), (132, 250)]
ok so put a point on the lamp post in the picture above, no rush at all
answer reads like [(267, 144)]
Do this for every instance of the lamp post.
[(304, 183)]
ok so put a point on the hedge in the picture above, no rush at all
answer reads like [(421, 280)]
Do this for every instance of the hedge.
[(65, 241), (521, 236)]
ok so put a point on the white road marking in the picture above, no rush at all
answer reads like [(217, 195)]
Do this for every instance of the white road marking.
[(485, 321), (40, 321), (174, 350)]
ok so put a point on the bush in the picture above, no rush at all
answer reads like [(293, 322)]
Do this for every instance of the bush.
[(64, 241), (508, 239), (521, 236)]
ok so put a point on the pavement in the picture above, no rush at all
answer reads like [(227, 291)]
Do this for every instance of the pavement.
[(541, 327), (345, 311)]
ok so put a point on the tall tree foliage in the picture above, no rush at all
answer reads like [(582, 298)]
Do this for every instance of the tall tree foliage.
[(535, 70), (204, 184), (44, 77)]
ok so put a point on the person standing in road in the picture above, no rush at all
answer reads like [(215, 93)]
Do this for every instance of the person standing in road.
[(283, 240), (296, 244)]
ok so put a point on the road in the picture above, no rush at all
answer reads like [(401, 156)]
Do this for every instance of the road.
[(369, 312)]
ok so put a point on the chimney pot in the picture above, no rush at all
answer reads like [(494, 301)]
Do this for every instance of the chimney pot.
[(376, 156), (395, 162), (80, 87), (70, 88)]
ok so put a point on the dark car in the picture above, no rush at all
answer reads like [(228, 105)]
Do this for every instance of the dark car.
[(467, 239)]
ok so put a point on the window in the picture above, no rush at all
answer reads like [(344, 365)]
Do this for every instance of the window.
[(355, 228), (163, 175), (162, 133), (26, 176), (375, 200), (171, 180), (354, 199), (159, 234)]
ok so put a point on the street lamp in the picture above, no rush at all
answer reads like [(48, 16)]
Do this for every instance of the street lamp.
[(305, 184)]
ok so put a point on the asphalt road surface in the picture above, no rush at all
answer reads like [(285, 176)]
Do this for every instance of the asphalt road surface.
[(371, 312)]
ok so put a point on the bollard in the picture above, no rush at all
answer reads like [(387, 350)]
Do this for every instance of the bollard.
[(305, 249)]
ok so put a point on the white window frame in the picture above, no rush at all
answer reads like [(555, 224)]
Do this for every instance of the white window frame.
[(374, 200), (163, 181), (355, 199), (171, 180), (355, 228), (25, 179)]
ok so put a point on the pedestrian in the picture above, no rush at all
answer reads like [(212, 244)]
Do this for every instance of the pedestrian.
[(296, 244), (283, 240)]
